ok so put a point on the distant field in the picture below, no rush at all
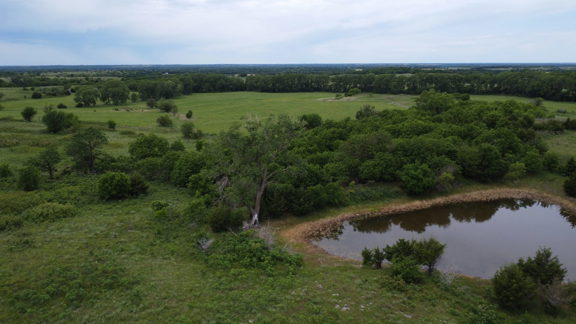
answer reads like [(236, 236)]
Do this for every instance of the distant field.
[(217, 111)]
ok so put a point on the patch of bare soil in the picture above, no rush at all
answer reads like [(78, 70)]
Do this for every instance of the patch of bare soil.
[(302, 235)]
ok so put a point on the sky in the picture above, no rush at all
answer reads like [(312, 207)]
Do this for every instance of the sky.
[(86, 32)]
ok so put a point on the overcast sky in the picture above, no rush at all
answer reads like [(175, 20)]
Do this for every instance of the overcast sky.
[(39, 32)]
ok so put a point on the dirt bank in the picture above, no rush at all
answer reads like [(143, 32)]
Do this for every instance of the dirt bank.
[(302, 234)]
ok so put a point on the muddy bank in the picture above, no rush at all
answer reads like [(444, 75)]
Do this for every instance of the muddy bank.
[(305, 232)]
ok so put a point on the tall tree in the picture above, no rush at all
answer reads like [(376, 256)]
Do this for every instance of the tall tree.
[(84, 147), (87, 96), (114, 92), (249, 160), (47, 161)]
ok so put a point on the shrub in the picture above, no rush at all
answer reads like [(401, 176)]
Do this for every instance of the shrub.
[(137, 185), (544, 268), (417, 178), (406, 269), (147, 146), (112, 125), (10, 222), (428, 252), (158, 205), (5, 171), (513, 289), (551, 161), (187, 165), (57, 121), (167, 106), (113, 186), (151, 168), (29, 179), (373, 257), (223, 219), (187, 130), (570, 167), (245, 250), (17, 202), (189, 114), (151, 103), (28, 113), (164, 121), (36, 95), (49, 212), (177, 146), (352, 92), (61, 106), (570, 186)]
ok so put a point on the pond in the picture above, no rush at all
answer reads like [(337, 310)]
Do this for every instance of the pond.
[(480, 237)]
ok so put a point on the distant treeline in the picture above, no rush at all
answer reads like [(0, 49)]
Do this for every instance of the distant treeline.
[(551, 85)]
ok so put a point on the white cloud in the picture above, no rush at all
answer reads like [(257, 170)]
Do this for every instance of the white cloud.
[(311, 30)]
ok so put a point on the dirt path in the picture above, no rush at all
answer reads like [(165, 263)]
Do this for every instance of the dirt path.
[(300, 236)]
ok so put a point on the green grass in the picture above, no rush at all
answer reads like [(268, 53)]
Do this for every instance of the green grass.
[(168, 280)]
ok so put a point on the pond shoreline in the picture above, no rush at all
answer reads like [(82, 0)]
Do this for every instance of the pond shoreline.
[(305, 233)]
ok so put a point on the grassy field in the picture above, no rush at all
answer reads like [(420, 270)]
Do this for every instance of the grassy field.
[(151, 273)]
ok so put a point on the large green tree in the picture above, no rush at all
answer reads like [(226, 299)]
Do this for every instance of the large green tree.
[(47, 161), (249, 160), (84, 148), (87, 96), (114, 92)]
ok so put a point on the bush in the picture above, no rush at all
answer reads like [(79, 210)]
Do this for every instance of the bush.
[(49, 212), (352, 92), (373, 257), (223, 219), (177, 146), (28, 113), (513, 289), (189, 114), (570, 186), (158, 205), (36, 95), (428, 252), (57, 121), (151, 168), (5, 171), (17, 202), (61, 106), (10, 222), (164, 121), (147, 146), (113, 186), (167, 106), (112, 125), (187, 130), (245, 250), (29, 179), (406, 269), (187, 165), (417, 178), (137, 185), (544, 268)]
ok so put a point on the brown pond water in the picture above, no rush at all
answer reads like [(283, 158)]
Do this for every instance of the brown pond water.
[(480, 237)]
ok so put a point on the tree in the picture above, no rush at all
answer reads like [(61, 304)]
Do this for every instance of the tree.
[(570, 185), (28, 113), (114, 186), (115, 92), (164, 121), (134, 97), (167, 106), (87, 96), (47, 161), (428, 252), (84, 147), (544, 268), (366, 111), (249, 161), (417, 178), (56, 121), (147, 146), (112, 125), (513, 289), (29, 178), (435, 102), (188, 131), (311, 120)]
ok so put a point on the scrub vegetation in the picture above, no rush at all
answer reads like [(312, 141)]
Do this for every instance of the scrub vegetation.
[(115, 206)]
